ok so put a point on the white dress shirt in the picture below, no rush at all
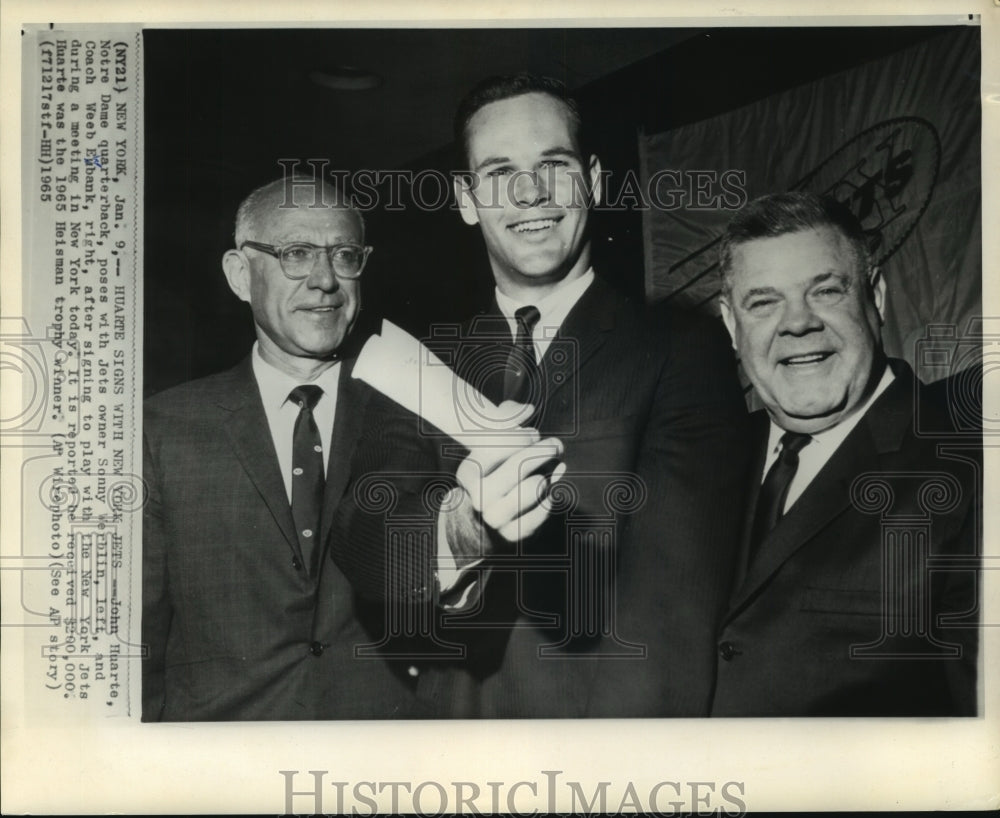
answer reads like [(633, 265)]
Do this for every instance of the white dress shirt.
[(814, 456), (274, 386), (552, 310)]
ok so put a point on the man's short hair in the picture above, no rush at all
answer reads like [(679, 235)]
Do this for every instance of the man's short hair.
[(780, 213), (507, 86), (294, 190)]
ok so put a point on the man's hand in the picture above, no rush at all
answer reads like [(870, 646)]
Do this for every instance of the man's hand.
[(506, 487)]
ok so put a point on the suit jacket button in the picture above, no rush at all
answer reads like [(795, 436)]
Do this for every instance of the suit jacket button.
[(413, 670), (296, 563), (727, 650), (316, 648)]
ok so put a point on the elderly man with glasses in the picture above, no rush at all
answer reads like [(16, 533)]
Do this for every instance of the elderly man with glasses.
[(243, 618)]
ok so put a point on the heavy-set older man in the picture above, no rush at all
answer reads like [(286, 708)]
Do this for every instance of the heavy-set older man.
[(243, 617), (856, 586)]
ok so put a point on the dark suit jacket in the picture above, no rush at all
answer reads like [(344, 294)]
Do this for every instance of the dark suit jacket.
[(648, 406), (230, 617), (862, 600)]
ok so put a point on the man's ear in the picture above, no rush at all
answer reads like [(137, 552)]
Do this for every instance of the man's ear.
[(877, 282), (466, 199), (728, 318), (596, 182), (237, 270)]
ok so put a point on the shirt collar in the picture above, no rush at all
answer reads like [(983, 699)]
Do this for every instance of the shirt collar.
[(554, 307), (275, 385), (831, 438)]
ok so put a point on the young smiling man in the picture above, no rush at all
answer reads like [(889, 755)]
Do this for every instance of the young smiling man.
[(836, 609), (636, 414), (528, 191)]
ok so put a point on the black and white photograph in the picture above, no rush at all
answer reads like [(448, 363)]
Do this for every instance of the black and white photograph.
[(593, 410), (476, 581)]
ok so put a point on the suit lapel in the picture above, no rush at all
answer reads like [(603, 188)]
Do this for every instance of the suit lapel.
[(828, 495), (246, 426), (759, 428), (586, 327), (352, 398)]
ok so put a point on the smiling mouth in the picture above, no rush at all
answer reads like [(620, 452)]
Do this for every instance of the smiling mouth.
[(324, 308), (805, 359), (533, 225)]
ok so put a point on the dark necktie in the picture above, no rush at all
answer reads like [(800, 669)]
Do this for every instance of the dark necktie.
[(774, 489), (522, 380), (307, 474)]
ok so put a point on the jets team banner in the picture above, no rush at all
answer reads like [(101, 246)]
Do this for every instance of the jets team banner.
[(896, 139)]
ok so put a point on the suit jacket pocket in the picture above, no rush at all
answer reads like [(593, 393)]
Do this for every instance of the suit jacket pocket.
[(851, 601)]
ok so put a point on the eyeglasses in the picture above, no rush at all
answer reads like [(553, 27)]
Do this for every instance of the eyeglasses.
[(298, 260)]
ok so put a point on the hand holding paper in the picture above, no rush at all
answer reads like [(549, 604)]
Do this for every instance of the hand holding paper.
[(509, 469), (509, 487)]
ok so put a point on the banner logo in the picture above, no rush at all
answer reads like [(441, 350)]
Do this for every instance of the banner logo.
[(886, 176)]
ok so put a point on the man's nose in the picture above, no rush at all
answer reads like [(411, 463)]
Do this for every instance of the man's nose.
[(529, 188), (322, 276), (799, 318)]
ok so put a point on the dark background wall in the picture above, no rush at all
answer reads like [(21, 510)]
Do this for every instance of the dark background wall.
[(222, 106)]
